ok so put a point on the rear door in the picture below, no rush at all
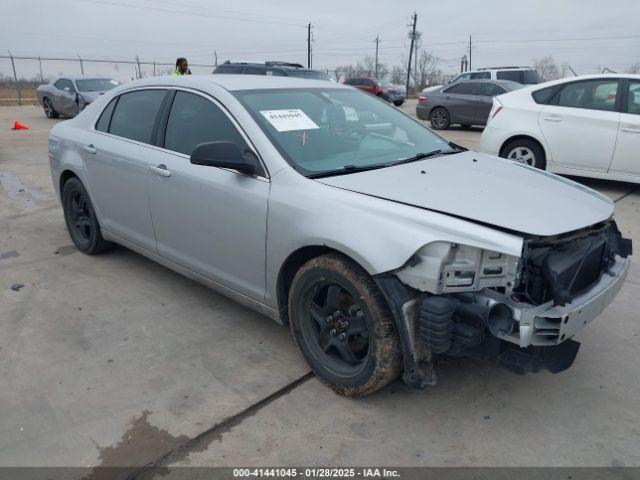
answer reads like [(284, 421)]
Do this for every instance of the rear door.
[(626, 158), (484, 101), (460, 100), (208, 219), (581, 124), (118, 160)]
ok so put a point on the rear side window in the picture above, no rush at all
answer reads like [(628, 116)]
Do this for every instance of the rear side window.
[(513, 75), (227, 69), (480, 75), (490, 90), (194, 120), (135, 114), (102, 124), (463, 88), (592, 94), (544, 95)]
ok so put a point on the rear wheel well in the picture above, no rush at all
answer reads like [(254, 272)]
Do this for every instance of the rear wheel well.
[(64, 177), (520, 137), (289, 269)]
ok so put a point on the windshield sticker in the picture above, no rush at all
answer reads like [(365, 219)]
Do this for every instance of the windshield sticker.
[(350, 114), (287, 120)]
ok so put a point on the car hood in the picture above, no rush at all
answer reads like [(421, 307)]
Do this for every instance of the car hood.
[(485, 189)]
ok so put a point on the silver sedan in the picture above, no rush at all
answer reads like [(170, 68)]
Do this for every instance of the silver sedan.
[(67, 96), (380, 244)]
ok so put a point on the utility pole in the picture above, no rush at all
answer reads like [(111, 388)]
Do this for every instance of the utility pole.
[(41, 76), (469, 52), (377, 41), (139, 71), (413, 37), (215, 56), (309, 45), (81, 64), (415, 61), (15, 78)]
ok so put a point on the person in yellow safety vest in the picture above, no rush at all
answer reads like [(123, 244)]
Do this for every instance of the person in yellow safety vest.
[(182, 67)]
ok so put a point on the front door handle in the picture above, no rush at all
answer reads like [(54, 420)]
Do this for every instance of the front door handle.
[(630, 129), (553, 118), (89, 148), (160, 170)]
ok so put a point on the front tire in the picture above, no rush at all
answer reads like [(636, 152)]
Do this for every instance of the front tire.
[(439, 118), (49, 111), (398, 103), (525, 151), (81, 219), (343, 326)]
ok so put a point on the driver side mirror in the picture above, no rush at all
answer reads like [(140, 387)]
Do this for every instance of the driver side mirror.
[(224, 154)]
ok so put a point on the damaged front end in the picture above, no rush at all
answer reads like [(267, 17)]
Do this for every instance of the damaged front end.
[(522, 312)]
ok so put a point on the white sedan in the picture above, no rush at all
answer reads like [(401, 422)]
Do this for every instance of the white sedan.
[(585, 126)]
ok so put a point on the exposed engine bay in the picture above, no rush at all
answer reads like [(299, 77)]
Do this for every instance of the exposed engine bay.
[(521, 312)]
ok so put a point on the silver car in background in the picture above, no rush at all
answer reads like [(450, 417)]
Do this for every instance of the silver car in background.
[(67, 96), (464, 103), (380, 244)]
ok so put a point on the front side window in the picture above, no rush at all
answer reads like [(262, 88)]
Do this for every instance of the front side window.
[(633, 98), (193, 120), (513, 75), (320, 131), (64, 83), (461, 78), (480, 75), (254, 71), (135, 114), (591, 94)]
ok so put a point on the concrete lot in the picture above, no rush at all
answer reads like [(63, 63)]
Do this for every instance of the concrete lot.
[(115, 360)]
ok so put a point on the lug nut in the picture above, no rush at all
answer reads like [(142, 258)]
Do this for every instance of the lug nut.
[(342, 336), (329, 319), (332, 331)]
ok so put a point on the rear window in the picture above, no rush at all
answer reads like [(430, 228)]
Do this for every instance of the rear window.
[(227, 69), (135, 114), (543, 96)]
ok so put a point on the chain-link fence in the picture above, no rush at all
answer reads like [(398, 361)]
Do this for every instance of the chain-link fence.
[(21, 75)]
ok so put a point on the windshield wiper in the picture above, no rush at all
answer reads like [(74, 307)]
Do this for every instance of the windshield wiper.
[(423, 155), (347, 169)]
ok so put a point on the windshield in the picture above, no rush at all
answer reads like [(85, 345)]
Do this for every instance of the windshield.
[(96, 85), (308, 74), (326, 130)]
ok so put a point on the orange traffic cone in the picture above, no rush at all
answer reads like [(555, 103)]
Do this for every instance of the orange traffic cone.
[(19, 126)]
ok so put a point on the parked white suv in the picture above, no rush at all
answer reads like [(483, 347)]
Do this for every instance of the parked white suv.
[(523, 75), (586, 126)]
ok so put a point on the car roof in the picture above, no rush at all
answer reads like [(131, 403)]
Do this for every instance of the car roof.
[(232, 82)]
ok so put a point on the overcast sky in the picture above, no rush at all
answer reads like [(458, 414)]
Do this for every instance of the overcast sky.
[(588, 34)]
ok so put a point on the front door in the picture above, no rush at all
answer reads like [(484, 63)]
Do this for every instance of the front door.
[(65, 101), (581, 127), (626, 160), (208, 219)]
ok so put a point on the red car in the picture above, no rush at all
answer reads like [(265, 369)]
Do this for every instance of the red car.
[(380, 88)]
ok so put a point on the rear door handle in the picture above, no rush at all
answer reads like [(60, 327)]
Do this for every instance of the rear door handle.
[(552, 118), (630, 129), (89, 148), (160, 170)]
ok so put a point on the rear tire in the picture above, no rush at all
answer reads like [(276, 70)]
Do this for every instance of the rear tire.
[(343, 326), (81, 219), (398, 103), (49, 111), (525, 151), (439, 118)]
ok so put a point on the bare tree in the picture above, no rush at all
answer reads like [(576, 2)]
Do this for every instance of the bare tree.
[(546, 68), (398, 75), (635, 68)]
